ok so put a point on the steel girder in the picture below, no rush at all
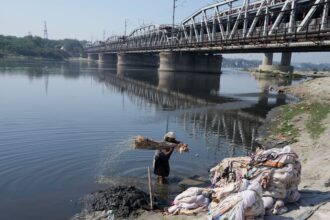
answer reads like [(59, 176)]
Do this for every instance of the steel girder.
[(232, 19)]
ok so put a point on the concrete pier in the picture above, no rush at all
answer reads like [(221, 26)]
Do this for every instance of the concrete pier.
[(138, 59), (286, 62), (108, 58), (285, 65), (190, 62), (92, 56), (268, 59)]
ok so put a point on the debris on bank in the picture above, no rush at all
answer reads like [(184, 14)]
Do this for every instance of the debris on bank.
[(245, 187)]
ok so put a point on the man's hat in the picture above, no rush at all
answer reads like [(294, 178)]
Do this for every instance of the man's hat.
[(170, 135)]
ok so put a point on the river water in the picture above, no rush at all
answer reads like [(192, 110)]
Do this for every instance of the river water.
[(66, 128)]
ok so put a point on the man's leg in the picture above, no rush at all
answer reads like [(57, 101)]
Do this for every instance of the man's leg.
[(160, 179)]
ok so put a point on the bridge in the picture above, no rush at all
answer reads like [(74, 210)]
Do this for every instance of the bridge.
[(228, 26)]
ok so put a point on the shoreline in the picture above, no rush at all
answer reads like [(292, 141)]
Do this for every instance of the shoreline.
[(290, 124), (315, 200)]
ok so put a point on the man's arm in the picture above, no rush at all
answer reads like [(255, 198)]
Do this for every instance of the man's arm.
[(169, 152)]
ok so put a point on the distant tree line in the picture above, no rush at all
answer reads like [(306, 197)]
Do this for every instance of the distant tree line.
[(239, 63), (33, 46)]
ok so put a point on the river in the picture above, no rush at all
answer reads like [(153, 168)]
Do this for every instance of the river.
[(66, 128)]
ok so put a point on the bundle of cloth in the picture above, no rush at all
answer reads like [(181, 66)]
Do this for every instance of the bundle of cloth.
[(229, 170), (277, 173), (278, 170), (191, 201), (237, 201), (144, 143)]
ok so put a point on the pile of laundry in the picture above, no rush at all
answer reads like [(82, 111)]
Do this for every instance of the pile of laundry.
[(246, 187), (191, 201), (240, 200), (278, 171)]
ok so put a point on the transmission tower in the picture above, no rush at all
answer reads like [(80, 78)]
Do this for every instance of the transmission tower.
[(45, 30)]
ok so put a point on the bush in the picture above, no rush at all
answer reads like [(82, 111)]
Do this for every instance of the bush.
[(39, 47)]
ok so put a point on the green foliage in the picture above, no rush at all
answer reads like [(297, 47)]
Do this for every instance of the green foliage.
[(285, 126), (316, 112), (39, 47)]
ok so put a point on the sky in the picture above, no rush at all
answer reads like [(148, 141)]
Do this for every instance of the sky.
[(89, 20)]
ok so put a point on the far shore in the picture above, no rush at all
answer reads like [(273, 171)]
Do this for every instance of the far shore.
[(28, 58)]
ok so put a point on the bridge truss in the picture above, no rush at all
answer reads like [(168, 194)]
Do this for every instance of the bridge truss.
[(231, 25)]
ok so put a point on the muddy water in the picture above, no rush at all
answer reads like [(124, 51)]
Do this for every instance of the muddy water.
[(66, 128)]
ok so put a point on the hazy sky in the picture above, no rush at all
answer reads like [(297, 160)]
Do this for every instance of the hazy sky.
[(87, 19)]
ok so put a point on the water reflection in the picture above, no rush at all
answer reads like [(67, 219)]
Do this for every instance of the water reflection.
[(220, 129), (142, 91), (265, 82), (193, 99), (193, 103), (38, 69), (147, 75), (191, 83)]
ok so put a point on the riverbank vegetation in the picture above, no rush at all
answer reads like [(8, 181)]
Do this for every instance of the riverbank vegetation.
[(316, 113), (33, 46)]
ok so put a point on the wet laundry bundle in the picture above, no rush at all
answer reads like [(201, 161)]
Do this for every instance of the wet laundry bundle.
[(144, 143)]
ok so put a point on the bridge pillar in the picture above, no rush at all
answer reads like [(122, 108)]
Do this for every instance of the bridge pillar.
[(268, 59), (286, 62), (92, 56), (106, 58), (138, 59), (190, 62), (285, 65)]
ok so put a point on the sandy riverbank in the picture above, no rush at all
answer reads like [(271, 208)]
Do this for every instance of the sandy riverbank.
[(306, 125)]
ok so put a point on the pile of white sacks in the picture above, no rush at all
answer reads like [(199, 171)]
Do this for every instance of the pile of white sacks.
[(246, 187)]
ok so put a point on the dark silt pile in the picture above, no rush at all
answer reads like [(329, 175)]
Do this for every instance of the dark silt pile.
[(124, 201)]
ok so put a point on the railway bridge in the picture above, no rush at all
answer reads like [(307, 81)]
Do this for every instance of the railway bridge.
[(228, 26)]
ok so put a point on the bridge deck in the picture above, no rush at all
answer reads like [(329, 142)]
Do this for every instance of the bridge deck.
[(255, 26)]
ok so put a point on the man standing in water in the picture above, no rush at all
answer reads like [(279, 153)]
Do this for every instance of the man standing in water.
[(162, 157)]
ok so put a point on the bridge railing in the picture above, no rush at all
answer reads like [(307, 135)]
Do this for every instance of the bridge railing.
[(282, 34)]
